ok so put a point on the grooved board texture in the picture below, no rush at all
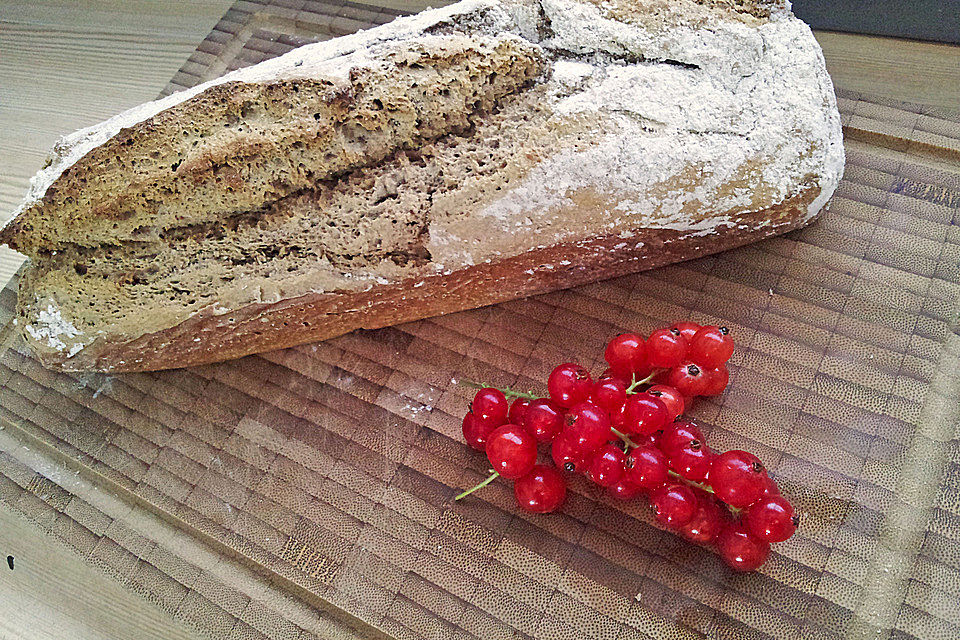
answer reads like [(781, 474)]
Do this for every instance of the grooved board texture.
[(308, 492)]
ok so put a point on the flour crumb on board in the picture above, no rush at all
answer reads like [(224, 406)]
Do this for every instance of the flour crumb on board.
[(417, 409), (97, 381), (50, 328)]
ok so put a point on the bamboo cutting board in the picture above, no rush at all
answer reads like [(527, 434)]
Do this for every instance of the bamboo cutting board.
[(308, 492)]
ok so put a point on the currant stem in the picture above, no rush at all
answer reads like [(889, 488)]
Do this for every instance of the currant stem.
[(636, 383), (692, 483), (493, 476), (705, 487), (507, 391), (626, 439)]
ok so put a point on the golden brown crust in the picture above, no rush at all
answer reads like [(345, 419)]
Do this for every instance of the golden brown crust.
[(256, 328)]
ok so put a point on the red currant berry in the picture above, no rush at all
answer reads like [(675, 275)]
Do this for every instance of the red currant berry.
[(686, 329), (618, 416), (512, 451), (645, 414), (652, 439), (610, 373), (609, 393), (693, 461), (706, 523), (740, 551), (518, 411), (476, 431), (490, 406), (588, 424), (645, 468), (544, 420), (771, 519), (670, 397), (626, 354), (660, 377), (665, 348), (687, 378), (711, 346), (623, 490), (643, 373), (569, 384), (568, 454), (770, 488), (716, 381), (607, 465), (541, 490), (680, 436), (673, 505), (737, 478)]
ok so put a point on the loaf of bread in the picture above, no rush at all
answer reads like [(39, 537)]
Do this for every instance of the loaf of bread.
[(464, 156)]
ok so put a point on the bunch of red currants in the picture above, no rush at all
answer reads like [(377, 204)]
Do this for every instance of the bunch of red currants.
[(625, 432)]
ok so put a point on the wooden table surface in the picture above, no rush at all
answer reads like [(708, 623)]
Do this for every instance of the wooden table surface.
[(65, 64)]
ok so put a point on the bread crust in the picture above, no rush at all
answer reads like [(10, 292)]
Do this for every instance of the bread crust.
[(256, 328)]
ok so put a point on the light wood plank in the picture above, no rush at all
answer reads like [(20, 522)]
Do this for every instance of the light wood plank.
[(907, 70), (69, 65), (52, 594)]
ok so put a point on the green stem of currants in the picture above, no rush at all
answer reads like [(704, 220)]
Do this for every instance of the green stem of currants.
[(530, 395), (705, 487), (626, 439), (507, 391), (631, 390), (692, 483), (492, 477)]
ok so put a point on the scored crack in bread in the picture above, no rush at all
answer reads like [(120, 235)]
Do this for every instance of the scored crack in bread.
[(456, 158), (241, 145)]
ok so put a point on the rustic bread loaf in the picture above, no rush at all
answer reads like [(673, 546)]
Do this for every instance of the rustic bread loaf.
[(460, 157)]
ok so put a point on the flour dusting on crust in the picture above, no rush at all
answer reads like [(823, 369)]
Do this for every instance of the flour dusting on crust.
[(666, 118), (683, 147)]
